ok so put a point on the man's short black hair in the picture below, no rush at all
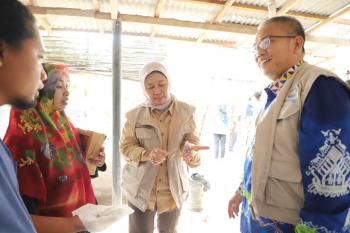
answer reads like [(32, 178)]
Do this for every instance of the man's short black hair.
[(294, 25), (16, 23)]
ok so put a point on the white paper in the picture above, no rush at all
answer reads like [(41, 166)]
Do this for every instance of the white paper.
[(97, 218)]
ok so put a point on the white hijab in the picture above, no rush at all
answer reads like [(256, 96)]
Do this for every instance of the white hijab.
[(147, 70)]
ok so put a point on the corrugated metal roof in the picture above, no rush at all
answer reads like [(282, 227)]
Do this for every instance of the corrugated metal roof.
[(190, 20), (78, 4), (178, 32), (324, 7), (137, 7), (189, 11), (253, 2), (243, 17)]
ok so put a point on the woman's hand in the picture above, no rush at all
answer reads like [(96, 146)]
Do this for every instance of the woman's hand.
[(158, 156), (233, 205), (189, 155), (98, 159), (189, 152)]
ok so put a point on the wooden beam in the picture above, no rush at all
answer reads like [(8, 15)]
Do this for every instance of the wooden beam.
[(42, 21), (159, 7), (306, 16), (157, 11), (220, 3), (217, 18), (287, 7), (231, 28), (201, 37), (342, 21), (96, 5), (67, 12), (96, 8), (114, 9), (220, 14), (257, 9), (80, 30), (330, 19), (220, 43), (328, 40), (234, 28)]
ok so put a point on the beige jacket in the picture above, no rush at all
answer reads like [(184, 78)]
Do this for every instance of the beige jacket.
[(138, 177), (277, 190)]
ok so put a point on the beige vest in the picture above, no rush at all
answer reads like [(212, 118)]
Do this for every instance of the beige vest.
[(277, 189), (137, 181)]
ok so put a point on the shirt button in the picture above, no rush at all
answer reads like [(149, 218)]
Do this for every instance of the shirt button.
[(162, 134), (160, 180)]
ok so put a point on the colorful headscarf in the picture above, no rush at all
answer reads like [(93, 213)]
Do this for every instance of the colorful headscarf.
[(51, 167), (54, 72)]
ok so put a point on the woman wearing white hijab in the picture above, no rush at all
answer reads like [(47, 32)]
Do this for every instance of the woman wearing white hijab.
[(159, 143)]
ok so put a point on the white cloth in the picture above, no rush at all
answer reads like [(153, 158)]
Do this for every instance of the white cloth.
[(97, 218)]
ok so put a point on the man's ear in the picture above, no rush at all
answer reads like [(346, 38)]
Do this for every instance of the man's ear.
[(299, 43)]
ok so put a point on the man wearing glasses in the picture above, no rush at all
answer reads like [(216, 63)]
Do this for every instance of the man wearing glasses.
[(297, 170)]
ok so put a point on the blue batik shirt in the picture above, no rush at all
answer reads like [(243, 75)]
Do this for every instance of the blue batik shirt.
[(14, 217), (324, 142), (324, 139)]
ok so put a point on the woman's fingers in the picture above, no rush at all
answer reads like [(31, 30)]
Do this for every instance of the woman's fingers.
[(198, 148), (158, 156)]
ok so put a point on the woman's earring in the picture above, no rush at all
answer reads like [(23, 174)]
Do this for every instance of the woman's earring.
[(0, 63)]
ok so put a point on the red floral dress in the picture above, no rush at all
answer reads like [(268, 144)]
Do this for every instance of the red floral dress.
[(51, 168)]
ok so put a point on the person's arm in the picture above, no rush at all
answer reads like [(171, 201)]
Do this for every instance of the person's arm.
[(192, 138), (235, 202), (324, 144), (45, 224)]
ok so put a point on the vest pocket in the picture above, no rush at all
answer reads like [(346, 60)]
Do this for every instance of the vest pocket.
[(146, 137), (289, 108), (286, 171), (284, 187), (131, 179)]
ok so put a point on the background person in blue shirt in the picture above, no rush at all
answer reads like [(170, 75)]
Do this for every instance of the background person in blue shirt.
[(297, 169), (220, 129)]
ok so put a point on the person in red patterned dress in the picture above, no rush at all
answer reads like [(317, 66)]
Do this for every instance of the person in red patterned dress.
[(52, 173)]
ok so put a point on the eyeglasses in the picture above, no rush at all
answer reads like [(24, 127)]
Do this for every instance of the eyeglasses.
[(265, 42)]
